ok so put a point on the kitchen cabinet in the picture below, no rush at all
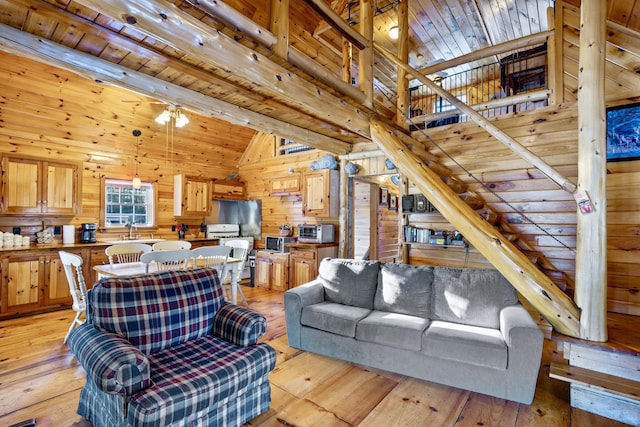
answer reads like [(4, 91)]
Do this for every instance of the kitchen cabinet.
[(228, 189), (191, 196), (286, 185), (320, 193), (33, 281), (37, 187), (305, 260), (272, 270)]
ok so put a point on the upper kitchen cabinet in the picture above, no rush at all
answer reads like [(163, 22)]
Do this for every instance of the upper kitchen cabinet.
[(320, 193), (191, 196), (286, 185), (39, 187), (228, 189)]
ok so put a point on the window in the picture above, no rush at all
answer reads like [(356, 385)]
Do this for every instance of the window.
[(123, 204)]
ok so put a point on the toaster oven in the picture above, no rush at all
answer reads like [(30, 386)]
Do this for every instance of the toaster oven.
[(316, 233)]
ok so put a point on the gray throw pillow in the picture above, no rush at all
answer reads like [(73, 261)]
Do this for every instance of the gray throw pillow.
[(471, 296), (404, 289), (348, 281)]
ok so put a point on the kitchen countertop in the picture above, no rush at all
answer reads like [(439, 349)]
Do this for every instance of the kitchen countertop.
[(58, 245)]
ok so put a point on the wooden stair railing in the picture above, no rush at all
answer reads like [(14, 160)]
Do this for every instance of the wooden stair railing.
[(541, 292)]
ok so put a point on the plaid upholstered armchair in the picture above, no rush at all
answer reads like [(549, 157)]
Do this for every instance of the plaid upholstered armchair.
[(166, 349)]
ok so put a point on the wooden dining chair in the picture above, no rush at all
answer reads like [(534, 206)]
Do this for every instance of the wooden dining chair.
[(212, 257), (171, 245), (72, 265), (167, 260), (240, 250), (126, 252)]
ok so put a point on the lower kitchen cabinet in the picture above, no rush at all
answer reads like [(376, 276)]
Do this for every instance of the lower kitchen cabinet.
[(272, 270), (305, 260), (33, 281)]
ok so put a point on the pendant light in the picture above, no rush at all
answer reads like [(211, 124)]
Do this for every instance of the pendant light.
[(136, 182)]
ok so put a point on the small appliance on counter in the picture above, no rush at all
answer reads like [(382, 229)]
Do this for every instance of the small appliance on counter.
[(316, 233), (278, 243), (88, 233)]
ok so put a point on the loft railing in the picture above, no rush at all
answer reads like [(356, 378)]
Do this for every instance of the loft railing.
[(485, 86)]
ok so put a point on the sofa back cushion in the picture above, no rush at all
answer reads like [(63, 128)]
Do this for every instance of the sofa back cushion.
[(348, 281), (404, 289), (157, 311), (471, 296)]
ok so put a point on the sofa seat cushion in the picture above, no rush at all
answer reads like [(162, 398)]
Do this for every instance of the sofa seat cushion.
[(467, 344), (195, 375), (349, 281), (157, 311), (335, 318), (471, 296), (404, 289), (392, 329)]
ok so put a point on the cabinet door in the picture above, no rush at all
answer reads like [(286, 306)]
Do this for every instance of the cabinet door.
[(285, 185), (22, 276), (96, 257), (280, 272), (303, 267), (263, 271), (57, 291), (320, 193), (60, 188), (21, 183), (227, 189), (191, 196)]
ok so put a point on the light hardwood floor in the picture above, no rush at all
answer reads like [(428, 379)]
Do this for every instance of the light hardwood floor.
[(39, 378)]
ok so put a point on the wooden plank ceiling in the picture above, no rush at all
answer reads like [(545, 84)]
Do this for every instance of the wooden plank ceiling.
[(193, 58)]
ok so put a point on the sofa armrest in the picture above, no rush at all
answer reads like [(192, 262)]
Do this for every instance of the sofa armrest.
[(238, 325), (518, 328), (294, 300), (110, 361)]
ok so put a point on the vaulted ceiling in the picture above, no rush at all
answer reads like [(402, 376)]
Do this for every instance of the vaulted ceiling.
[(219, 58)]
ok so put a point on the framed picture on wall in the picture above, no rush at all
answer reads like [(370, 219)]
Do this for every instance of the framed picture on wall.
[(384, 196), (393, 202), (623, 132)]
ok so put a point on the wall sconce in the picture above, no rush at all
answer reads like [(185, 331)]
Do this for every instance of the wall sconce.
[(394, 32), (173, 112), (136, 182)]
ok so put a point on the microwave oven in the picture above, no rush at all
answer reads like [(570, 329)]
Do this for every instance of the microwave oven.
[(316, 233), (277, 243)]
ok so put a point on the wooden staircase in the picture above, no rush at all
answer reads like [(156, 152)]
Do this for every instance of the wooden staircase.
[(603, 379)]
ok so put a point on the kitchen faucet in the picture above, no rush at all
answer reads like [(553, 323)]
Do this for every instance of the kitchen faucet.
[(131, 226)]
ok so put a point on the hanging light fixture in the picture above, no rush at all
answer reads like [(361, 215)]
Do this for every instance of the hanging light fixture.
[(174, 113), (136, 182), (394, 32)]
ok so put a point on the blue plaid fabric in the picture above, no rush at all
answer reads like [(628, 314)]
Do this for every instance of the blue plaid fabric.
[(196, 375), (239, 325), (157, 311), (152, 358), (118, 367)]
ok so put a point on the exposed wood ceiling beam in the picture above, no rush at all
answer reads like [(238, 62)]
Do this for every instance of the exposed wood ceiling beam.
[(233, 18), (31, 46), (165, 22), (505, 139), (336, 21), (522, 42), (336, 5)]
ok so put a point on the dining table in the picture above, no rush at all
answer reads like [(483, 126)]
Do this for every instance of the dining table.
[(128, 269)]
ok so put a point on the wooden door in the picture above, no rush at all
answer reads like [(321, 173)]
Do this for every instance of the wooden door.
[(263, 270), (60, 188), (22, 279), (21, 185), (280, 272), (303, 266)]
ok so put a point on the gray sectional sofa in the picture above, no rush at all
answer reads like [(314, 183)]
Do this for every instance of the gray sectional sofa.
[(456, 326)]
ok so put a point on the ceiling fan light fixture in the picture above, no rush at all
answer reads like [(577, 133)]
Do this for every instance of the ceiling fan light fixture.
[(181, 119), (394, 32), (164, 117)]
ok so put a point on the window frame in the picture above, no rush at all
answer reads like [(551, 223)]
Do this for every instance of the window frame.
[(103, 204)]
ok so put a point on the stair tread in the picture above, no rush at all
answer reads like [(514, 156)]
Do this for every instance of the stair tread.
[(624, 387)]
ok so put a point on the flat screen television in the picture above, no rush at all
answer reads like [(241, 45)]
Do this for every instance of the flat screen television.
[(623, 132)]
